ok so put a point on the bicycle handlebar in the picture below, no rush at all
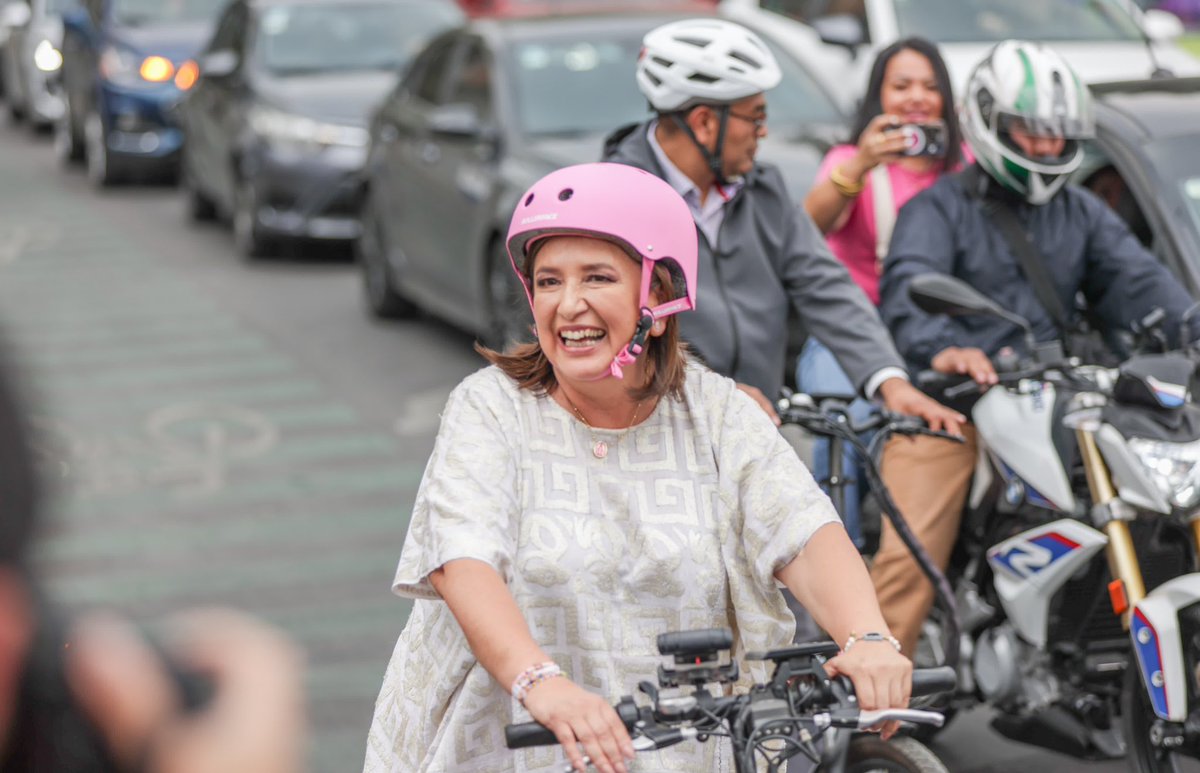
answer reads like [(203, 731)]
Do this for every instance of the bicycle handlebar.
[(925, 681)]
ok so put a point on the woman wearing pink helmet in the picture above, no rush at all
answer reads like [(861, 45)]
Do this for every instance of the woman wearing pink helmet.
[(594, 489)]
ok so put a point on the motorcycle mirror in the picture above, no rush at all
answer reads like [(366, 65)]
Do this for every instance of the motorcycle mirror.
[(941, 294)]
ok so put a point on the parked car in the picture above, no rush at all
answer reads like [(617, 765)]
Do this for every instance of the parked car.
[(32, 60), (486, 110), (125, 64), (275, 127), (1103, 40), (1143, 161)]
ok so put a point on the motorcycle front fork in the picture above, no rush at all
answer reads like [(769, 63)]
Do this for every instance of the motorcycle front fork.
[(1122, 557)]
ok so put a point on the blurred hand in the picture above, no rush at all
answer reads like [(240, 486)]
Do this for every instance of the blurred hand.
[(880, 143), (966, 362), (577, 717), (762, 401), (882, 677), (254, 722), (899, 396)]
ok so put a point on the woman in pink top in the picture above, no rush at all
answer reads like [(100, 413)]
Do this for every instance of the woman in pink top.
[(860, 187)]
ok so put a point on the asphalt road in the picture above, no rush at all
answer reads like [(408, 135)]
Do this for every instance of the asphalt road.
[(240, 432)]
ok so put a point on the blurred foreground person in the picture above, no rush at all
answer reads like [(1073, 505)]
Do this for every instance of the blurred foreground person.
[(92, 695), (597, 488)]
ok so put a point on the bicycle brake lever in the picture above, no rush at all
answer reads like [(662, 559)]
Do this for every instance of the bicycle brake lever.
[(868, 719)]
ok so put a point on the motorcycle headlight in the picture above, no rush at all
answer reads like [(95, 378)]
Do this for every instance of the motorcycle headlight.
[(1174, 468), (46, 57), (278, 126)]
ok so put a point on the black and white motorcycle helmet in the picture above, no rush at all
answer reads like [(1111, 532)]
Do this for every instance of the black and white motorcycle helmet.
[(1031, 86), (703, 61)]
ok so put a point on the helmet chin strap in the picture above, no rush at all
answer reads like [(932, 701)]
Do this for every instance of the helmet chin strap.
[(712, 157), (629, 354)]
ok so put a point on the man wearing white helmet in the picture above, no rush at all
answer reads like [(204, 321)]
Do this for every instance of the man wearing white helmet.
[(1024, 115), (759, 252)]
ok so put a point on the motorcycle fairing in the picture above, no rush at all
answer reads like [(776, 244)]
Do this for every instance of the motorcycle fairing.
[(1154, 629), (1018, 427), (1030, 567), (1133, 485)]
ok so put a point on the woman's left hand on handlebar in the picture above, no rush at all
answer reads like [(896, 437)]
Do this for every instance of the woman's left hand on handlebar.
[(882, 677)]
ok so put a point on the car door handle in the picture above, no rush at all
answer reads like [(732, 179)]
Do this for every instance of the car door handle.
[(430, 153)]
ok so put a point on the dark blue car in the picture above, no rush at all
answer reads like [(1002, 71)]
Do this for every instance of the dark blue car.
[(125, 65)]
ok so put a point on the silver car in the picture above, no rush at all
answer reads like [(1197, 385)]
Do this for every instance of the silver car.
[(486, 110), (33, 58)]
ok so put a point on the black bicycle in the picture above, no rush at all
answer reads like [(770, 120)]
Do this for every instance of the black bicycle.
[(800, 711)]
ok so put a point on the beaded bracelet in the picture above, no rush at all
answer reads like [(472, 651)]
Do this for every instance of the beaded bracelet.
[(872, 636), (533, 676), (844, 184)]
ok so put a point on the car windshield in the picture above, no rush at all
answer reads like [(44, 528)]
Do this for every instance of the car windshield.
[(60, 6), (586, 84), (954, 21), (340, 37), (138, 12)]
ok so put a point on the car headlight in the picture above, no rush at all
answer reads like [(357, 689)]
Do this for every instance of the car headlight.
[(1174, 468), (46, 57), (126, 68), (278, 126)]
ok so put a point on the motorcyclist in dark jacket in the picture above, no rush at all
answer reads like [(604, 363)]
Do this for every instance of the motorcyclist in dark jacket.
[(759, 253), (1024, 115)]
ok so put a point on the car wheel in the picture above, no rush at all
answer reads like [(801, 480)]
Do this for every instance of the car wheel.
[(378, 287), (199, 206), (511, 319), (102, 167), (67, 146), (247, 236)]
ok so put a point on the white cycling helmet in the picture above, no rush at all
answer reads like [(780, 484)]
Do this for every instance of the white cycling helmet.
[(703, 61), (1031, 86)]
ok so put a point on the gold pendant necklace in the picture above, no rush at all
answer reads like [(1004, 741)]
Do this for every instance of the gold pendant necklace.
[(599, 445)]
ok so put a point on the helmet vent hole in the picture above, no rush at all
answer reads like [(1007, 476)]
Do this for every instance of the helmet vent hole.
[(565, 194), (697, 42), (529, 199), (744, 59), (701, 78), (660, 61)]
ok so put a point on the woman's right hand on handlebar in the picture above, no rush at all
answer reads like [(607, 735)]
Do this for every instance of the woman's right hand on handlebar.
[(578, 717), (967, 361)]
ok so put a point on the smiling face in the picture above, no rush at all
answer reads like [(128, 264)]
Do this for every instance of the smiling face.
[(910, 88), (585, 306)]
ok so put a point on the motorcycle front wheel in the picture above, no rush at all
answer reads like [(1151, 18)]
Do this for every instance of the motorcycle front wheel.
[(870, 754), (1137, 717)]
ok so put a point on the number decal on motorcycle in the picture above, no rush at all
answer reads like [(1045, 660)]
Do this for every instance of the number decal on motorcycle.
[(1025, 558)]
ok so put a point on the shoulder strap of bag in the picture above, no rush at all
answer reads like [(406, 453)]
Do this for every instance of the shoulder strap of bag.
[(1033, 264), (884, 202)]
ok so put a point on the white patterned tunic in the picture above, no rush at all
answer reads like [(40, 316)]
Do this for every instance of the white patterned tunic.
[(681, 526)]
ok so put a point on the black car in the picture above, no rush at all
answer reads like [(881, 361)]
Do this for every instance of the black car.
[(1144, 163), (483, 112), (275, 126)]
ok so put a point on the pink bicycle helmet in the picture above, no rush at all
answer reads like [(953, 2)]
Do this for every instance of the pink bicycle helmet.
[(622, 204)]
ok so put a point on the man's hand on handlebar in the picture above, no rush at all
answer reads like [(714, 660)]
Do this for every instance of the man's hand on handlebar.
[(899, 396), (967, 361), (578, 717)]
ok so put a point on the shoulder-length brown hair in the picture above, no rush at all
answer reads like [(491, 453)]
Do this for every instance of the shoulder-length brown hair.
[(665, 355)]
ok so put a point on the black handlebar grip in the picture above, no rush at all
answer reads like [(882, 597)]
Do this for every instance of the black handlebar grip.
[(929, 681), (687, 642), (528, 734)]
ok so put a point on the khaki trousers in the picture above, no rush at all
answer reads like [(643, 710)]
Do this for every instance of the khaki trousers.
[(929, 479)]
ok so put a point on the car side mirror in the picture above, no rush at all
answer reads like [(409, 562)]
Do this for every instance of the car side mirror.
[(841, 29), (941, 294), (15, 15), (1161, 26), (458, 119), (219, 64)]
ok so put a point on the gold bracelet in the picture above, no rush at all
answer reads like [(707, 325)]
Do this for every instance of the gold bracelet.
[(844, 184)]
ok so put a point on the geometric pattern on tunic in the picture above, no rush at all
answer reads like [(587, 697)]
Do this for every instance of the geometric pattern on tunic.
[(681, 526)]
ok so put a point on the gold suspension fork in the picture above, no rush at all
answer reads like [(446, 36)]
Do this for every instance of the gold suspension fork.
[(1122, 558)]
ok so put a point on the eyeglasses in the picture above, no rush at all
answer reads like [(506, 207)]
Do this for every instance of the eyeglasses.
[(760, 121)]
